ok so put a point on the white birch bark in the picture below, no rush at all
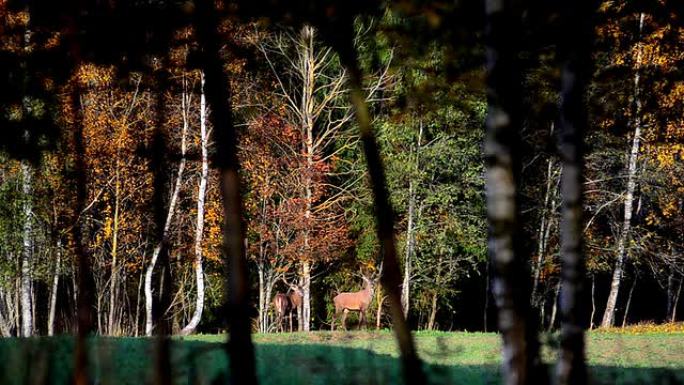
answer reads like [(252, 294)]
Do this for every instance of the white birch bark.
[(623, 239), (149, 322), (25, 282), (405, 289), (306, 109), (262, 300), (201, 193), (53, 291), (305, 284), (410, 228)]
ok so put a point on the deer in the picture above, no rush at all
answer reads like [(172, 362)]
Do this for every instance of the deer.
[(287, 303), (354, 301), (295, 296), (282, 306)]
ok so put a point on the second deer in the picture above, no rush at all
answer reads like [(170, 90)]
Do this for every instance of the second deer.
[(286, 304), (354, 301)]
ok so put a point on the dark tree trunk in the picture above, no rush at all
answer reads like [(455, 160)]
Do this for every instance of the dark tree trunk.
[(160, 168), (342, 40), (510, 280), (575, 50), (217, 89), (593, 302), (486, 300), (84, 289)]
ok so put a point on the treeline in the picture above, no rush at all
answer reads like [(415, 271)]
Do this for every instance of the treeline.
[(308, 204)]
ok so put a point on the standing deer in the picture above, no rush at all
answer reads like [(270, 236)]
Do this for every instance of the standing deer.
[(294, 295), (282, 306), (286, 304), (356, 301)]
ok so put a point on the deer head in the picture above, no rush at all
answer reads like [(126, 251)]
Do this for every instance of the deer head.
[(294, 294), (368, 284)]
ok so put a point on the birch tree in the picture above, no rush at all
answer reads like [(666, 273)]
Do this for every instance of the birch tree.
[(149, 321), (25, 288), (521, 362), (54, 288), (631, 176), (201, 195), (313, 87)]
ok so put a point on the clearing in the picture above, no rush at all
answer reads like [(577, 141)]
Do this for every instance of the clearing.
[(339, 358)]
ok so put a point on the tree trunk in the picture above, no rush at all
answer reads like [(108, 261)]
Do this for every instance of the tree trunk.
[(623, 239), (543, 229), (158, 248), (25, 285), (410, 237), (593, 302), (433, 312), (676, 300), (510, 282), (240, 350), (486, 300), (575, 50), (74, 286), (307, 112), (378, 313), (270, 282), (554, 307), (137, 301), (201, 193), (262, 298), (5, 316), (17, 304), (672, 293), (384, 213), (53, 290), (113, 287), (405, 289), (629, 302), (306, 300)]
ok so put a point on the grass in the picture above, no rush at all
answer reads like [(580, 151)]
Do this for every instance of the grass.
[(339, 358)]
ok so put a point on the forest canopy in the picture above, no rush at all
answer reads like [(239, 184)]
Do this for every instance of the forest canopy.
[(110, 109)]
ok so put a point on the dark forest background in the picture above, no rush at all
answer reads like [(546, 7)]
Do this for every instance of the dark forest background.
[(307, 197)]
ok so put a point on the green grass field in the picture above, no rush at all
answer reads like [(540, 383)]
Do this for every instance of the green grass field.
[(338, 358)]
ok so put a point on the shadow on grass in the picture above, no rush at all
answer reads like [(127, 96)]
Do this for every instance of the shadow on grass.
[(125, 361)]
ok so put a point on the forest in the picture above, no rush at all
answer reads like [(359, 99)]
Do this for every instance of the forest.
[(306, 191)]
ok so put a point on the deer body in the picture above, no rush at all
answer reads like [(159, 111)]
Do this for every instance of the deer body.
[(286, 304), (355, 301), (282, 306), (295, 297)]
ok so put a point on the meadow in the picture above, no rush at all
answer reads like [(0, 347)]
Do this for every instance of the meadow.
[(355, 357)]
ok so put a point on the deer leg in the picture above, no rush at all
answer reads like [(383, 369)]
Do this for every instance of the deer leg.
[(290, 321), (362, 319), (344, 319)]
